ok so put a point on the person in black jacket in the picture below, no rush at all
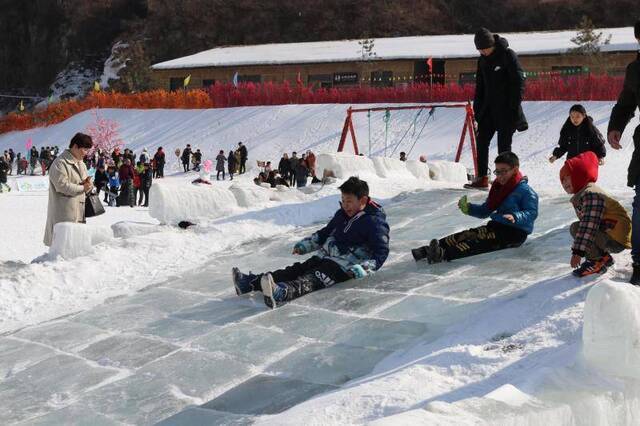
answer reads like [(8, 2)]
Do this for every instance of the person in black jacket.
[(622, 113), (186, 158), (244, 155), (100, 181), (284, 167), (146, 178), (231, 164), (498, 99), (578, 134)]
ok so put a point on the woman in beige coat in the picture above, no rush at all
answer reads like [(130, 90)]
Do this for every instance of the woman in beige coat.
[(68, 184)]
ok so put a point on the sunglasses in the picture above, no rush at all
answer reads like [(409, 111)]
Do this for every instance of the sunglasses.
[(500, 172)]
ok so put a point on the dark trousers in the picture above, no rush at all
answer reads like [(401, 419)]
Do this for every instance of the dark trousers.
[(292, 178), (486, 129), (311, 275), (602, 243), (145, 191), (487, 238), (231, 173), (218, 175), (243, 166)]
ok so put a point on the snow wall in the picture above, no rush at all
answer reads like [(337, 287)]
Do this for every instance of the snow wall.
[(171, 203)]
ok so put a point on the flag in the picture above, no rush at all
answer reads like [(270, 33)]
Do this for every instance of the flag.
[(235, 79), (96, 86), (21, 106), (186, 81), (430, 65), (299, 79)]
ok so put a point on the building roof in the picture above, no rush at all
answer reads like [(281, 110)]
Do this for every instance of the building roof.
[(417, 47)]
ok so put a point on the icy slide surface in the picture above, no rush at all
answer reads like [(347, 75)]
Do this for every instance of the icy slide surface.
[(191, 344)]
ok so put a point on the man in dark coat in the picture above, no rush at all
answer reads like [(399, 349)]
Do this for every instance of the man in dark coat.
[(145, 183), (186, 158), (498, 98), (244, 155), (622, 113)]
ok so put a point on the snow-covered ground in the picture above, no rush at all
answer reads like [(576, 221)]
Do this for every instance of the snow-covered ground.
[(147, 324)]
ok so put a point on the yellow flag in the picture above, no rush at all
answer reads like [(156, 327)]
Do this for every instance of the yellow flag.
[(96, 86), (21, 106), (187, 80)]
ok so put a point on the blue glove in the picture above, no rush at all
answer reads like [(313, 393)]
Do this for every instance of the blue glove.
[(358, 272)]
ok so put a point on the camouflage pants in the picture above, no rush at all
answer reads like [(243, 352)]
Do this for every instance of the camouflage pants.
[(311, 275)]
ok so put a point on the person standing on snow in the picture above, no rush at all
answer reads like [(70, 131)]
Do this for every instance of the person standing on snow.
[(220, 159), (159, 159), (186, 158), (68, 185), (231, 164), (244, 155), (621, 115), (498, 99), (353, 245)]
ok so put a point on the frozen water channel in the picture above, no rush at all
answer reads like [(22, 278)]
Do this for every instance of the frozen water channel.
[(188, 351)]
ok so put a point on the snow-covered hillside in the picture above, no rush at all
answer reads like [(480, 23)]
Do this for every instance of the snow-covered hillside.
[(146, 324)]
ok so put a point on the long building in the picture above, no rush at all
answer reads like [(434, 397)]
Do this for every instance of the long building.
[(390, 61)]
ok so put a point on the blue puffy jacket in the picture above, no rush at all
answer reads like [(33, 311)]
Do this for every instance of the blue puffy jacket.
[(522, 203), (359, 240)]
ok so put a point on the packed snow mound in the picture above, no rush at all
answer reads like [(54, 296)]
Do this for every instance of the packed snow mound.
[(611, 333), (345, 165), (173, 203), (391, 168), (72, 240), (448, 171), (133, 229), (418, 169), (248, 195)]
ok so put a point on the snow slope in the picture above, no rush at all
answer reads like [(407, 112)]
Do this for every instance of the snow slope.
[(479, 341)]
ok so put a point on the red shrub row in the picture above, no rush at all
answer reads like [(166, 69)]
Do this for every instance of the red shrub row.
[(553, 87)]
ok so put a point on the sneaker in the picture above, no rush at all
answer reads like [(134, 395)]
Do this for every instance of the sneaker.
[(481, 182), (274, 293), (635, 276), (244, 283), (591, 267), (419, 253), (435, 253)]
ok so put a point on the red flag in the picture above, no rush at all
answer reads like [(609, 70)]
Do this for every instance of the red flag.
[(299, 79), (430, 64)]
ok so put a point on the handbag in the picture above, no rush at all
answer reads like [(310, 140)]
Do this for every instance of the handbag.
[(92, 205)]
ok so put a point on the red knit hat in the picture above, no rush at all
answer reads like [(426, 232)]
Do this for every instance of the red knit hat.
[(582, 168)]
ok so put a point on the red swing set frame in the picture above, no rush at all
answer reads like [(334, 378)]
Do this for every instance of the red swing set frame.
[(467, 127)]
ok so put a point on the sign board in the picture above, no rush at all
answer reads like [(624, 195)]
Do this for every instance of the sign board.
[(345, 78)]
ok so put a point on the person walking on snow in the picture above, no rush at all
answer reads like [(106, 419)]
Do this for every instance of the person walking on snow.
[(512, 206), (498, 98), (621, 115), (244, 155), (353, 245), (604, 226), (220, 159), (578, 135)]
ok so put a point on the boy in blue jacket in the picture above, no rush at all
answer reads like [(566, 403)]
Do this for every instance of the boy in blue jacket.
[(354, 244), (512, 206)]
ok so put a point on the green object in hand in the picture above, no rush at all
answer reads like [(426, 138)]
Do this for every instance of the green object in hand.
[(463, 205)]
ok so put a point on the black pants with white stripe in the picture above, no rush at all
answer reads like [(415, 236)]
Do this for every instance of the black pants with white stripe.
[(491, 237), (311, 275)]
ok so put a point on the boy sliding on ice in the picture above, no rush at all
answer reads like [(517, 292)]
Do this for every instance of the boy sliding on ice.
[(354, 244), (604, 226), (512, 206)]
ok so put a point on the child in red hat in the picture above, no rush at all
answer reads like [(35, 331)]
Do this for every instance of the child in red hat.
[(604, 226)]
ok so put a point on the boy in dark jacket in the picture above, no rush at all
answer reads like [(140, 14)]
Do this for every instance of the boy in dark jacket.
[(512, 206), (100, 181), (146, 179), (604, 226), (354, 244), (621, 115), (578, 134), (498, 98)]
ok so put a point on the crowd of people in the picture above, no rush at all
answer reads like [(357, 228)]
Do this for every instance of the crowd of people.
[(292, 171)]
